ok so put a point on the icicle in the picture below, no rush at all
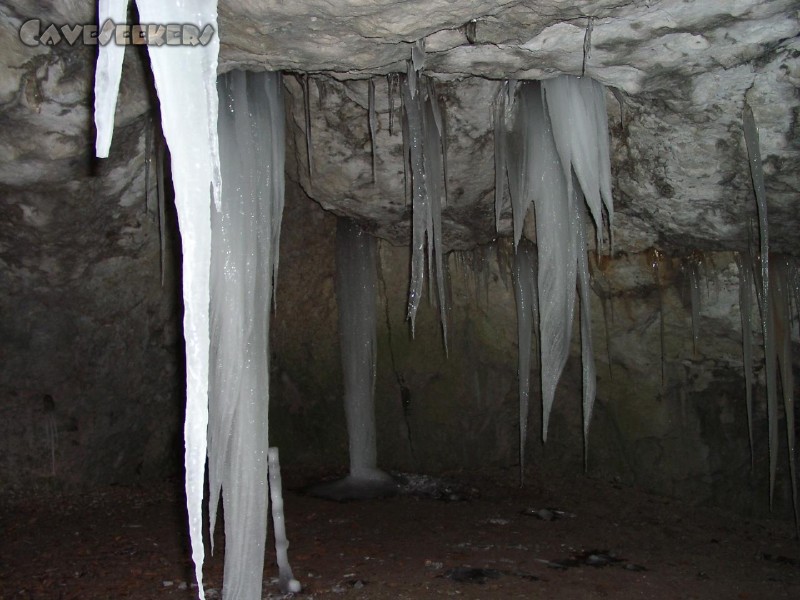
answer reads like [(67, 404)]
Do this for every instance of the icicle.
[(655, 262), (356, 294), (286, 580), (391, 80), (744, 266), (587, 348), (557, 252), (185, 78), (757, 175), (373, 125), (425, 146), (148, 160), (499, 152), (525, 295), (245, 243), (307, 113), (108, 72), (783, 338), (580, 126), (694, 293)]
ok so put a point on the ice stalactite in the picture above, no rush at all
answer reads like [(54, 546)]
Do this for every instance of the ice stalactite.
[(245, 242), (185, 79), (426, 156), (781, 309), (527, 317), (307, 117), (694, 295), (767, 327), (744, 265), (555, 137), (373, 125), (655, 265)]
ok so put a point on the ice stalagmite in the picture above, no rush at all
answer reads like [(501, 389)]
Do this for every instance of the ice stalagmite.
[(245, 237), (286, 580), (527, 316), (426, 155), (356, 297), (185, 79)]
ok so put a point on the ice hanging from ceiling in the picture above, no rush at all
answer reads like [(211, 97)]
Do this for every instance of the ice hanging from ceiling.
[(244, 261), (185, 79), (424, 132), (552, 142)]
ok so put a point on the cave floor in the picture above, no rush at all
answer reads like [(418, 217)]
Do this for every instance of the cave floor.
[(601, 541)]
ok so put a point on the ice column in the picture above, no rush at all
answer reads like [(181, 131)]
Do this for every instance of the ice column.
[(356, 295), (245, 239)]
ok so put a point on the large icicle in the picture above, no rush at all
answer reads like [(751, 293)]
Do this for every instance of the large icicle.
[(108, 73), (424, 129), (527, 313), (577, 109), (244, 255), (757, 175), (185, 78), (744, 265)]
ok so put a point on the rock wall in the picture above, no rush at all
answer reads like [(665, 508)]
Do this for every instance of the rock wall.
[(683, 436)]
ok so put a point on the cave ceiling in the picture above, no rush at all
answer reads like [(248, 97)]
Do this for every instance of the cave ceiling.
[(678, 74)]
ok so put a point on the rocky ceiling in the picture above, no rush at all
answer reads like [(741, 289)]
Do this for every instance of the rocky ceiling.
[(678, 75)]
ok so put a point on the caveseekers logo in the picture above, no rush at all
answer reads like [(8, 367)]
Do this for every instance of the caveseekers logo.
[(31, 33)]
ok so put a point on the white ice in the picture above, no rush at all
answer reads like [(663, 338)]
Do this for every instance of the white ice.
[(356, 297), (185, 79), (287, 582), (245, 238)]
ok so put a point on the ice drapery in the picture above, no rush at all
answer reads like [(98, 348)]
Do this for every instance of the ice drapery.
[(245, 242), (356, 297), (555, 155), (185, 79)]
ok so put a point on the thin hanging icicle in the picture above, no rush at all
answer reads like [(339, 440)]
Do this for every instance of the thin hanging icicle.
[(694, 294), (161, 199), (185, 78), (245, 243), (525, 294), (781, 303), (744, 266), (423, 122), (757, 175), (655, 264), (587, 348), (373, 125), (307, 115), (499, 152)]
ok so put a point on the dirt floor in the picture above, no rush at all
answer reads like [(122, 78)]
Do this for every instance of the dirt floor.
[(482, 538)]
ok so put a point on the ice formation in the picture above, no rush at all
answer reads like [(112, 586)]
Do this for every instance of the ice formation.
[(558, 126), (426, 156), (744, 264), (373, 124), (245, 240), (527, 317), (694, 294), (356, 297), (286, 580), (185, 79), (763, 288), (307, 116)]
